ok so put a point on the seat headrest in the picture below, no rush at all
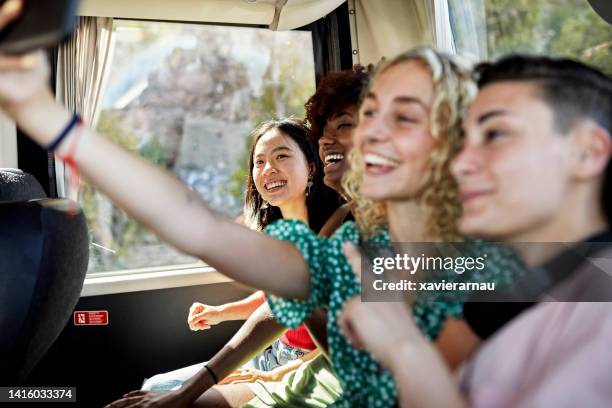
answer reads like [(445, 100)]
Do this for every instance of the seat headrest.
[(16, 185)]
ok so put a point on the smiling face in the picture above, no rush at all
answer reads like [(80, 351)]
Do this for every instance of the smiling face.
[(280, 169), (335, 144), (514, 169), (394, 135)]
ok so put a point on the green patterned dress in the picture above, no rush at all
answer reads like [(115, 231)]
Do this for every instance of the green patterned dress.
[(364, 382)]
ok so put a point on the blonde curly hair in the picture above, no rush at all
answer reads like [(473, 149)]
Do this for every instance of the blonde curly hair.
[(453, 91)]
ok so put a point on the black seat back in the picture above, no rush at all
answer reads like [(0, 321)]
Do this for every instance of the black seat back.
[(43, 261), (15, 185)]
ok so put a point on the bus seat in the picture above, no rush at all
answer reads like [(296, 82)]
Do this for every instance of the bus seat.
[(44, 253), (15, 185)]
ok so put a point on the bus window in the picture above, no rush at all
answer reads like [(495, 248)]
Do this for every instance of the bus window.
[(186, 97), (569, 28)]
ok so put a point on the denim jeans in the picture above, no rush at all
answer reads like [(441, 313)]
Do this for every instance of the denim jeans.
[(276, 355)]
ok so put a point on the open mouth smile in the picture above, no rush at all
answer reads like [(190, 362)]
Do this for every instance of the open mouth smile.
[(332, 161), (378, 165), (275, 185), (333, 158)]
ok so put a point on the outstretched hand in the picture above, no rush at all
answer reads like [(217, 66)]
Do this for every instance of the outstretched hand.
[(21, 76), (10, 10)]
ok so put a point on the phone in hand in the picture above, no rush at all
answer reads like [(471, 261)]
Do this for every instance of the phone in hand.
[(42, 24)]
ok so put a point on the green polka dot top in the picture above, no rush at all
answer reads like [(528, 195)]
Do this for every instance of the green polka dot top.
[(332, 283)]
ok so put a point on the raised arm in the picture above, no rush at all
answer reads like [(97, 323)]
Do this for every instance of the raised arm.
[(150, 195)]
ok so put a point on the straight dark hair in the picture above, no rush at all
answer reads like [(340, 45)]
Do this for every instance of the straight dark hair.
[(572, 89), (321, 201)]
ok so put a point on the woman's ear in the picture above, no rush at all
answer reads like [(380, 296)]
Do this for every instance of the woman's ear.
[(311, 171), (593, 149)]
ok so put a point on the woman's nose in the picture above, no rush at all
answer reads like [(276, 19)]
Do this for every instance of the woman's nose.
[(269, 168), (327, 140), (376, 130)]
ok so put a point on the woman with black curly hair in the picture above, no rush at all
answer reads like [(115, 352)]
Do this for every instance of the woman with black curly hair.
[(332, 113)]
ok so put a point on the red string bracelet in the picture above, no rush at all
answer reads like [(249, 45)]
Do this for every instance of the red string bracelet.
[(72, 164)]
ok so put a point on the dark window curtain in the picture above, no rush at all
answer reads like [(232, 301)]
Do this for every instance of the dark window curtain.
[(331, 38)]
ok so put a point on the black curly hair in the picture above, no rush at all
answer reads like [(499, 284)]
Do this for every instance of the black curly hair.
[(336, 91)]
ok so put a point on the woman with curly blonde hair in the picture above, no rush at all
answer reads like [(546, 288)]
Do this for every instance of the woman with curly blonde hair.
[(453, 90)]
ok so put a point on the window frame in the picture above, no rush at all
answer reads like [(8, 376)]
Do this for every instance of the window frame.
[(137, 280), (332, 50)]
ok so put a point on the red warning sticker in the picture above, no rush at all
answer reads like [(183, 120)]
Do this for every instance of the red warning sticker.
[(91, 318)]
